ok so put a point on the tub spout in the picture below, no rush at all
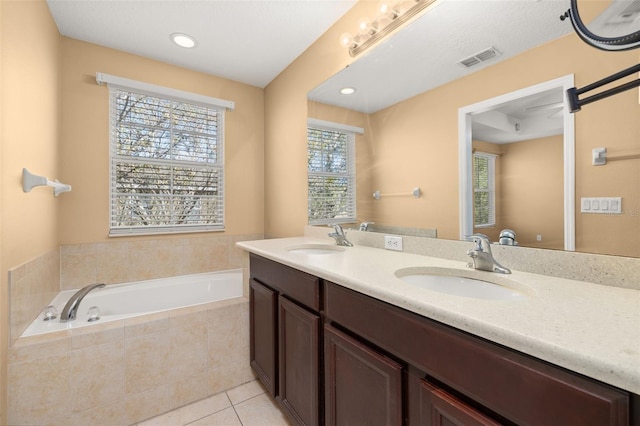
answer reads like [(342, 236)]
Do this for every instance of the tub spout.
[(71, 308)]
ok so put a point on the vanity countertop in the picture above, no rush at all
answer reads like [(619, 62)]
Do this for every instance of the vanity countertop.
[(588, 328)]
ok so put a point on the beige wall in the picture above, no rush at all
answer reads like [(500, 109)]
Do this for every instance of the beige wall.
[(30, 138), (411, 150), (285, 125), (84, 154), (530, 190)]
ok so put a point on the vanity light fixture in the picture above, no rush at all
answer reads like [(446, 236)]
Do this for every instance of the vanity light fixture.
[(391, 15), (347, 91), (183, 40)]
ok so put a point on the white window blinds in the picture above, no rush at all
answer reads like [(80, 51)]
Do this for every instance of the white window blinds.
[(167, 171), (484, 205), (331, 173)]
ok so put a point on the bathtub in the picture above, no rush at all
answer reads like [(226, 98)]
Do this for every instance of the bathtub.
[(164, 343), (122, 301)]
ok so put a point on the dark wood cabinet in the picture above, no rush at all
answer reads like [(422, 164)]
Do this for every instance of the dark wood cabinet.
[(299, 347), (514, 386), (262, 329), (285, 332), (429, 405), (334, 356), (362, 386)]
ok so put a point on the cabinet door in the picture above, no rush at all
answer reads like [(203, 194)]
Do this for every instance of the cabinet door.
[(299, 352), (362, 387), (431, 406), (263, 323)]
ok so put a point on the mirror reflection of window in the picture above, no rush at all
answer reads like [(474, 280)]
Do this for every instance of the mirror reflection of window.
[(331, 175), (484, 188)]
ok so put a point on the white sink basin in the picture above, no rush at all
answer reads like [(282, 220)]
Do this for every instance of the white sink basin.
[(470, 283), (316, 249)]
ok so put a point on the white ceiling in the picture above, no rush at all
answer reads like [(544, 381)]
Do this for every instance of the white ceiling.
[(250, 41), (425, 54), (530, 117)]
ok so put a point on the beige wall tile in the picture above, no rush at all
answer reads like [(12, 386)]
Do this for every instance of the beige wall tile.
[(115, 263), (152, 323), (31, 287), (97, 375), (188, 316), (97, 334), (144, 405), (37, 347), (101, 415), (147, 362), (39, 390), (188, 351), (189, 389), (224, 335), (78, 266)]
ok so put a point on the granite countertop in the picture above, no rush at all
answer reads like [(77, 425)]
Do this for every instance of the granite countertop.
[(588, 328)]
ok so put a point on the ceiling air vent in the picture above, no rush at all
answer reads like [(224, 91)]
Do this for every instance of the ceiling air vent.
[(479, 57)]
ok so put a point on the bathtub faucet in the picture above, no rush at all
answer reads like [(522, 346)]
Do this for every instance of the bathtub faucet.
[(71, 308)]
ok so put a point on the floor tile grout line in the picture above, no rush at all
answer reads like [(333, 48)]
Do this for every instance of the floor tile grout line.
[(237, 415), (213, 412)]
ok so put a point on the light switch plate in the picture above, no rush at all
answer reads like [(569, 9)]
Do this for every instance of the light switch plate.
[(602, 205)]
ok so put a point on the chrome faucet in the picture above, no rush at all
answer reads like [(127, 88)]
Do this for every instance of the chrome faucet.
[(339, 236), (71, 308), (364, 226), (481, 255)]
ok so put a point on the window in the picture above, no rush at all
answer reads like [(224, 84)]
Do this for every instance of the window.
[(167, 171), (331, 172), (484, 204)]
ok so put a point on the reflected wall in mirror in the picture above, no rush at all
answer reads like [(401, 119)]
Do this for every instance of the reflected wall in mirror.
[(407, 100)]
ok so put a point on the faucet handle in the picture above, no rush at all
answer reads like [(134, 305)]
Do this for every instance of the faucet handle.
[(481, 241)]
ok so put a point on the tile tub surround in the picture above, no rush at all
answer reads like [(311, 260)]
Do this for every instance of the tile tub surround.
[(35, 283), (32, 286), (587, 328), (120, 261), (128, 371)]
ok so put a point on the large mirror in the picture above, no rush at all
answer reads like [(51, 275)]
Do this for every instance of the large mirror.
[(412, 88)]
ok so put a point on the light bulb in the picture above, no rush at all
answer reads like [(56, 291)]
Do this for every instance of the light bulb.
[(183, 40), (346, 40), (347, 91), (386, 9), (364, 26)]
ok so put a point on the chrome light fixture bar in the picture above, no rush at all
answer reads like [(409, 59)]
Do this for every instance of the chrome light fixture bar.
[(392, 14)]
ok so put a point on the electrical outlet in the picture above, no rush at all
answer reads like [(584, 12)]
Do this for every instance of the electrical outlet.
[(393, 243)]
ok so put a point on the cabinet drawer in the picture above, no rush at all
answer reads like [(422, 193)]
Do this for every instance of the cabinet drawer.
[(516, 386), (300, 286)]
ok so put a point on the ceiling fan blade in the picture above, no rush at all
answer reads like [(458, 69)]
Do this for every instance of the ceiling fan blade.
[(545, 107)]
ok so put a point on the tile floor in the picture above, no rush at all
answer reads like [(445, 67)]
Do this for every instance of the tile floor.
[(246, 405)]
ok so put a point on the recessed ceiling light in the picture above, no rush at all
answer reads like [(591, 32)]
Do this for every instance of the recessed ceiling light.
[(183, 40), (347, 90)]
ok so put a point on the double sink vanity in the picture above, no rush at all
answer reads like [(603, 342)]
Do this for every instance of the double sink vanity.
[(361, 335)]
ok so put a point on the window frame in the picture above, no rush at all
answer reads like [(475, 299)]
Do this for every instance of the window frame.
[(491, 188), (118, 84), (350, 175)]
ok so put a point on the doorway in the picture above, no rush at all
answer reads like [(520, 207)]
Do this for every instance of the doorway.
[(541, 103)]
